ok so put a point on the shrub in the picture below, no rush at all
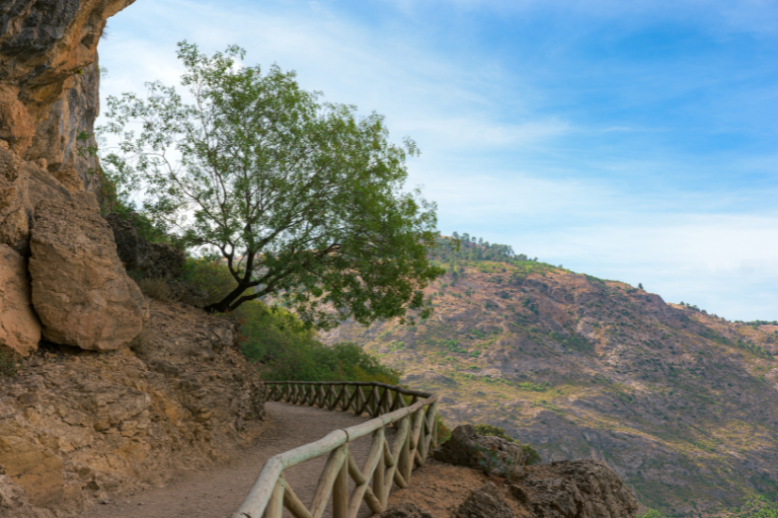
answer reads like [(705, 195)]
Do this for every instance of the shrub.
[(444, 433), (157, 289), (210, 275), (9, 363), (493, 431), (288, 351), (533, 457)]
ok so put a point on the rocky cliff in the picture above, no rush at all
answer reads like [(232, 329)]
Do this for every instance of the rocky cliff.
[(101, 389), (683, 404), (49, 84)]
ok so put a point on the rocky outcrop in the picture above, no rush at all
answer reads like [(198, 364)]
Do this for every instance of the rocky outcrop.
[(80, 289), (575, 489), (150, 260), (485, 502), (78, 426), (44, 48), (49, 81), (56, 145), (20, 329), (491, 454)]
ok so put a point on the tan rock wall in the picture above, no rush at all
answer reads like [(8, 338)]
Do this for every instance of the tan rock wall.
[(20, 329), (78, 426), (80, 289)]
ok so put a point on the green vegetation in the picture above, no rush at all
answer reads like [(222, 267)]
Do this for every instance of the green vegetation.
[(757, 507), (459, 251), (572, 341), (534, 387), (282, 346), (533, 457), (493, 431), (9, 363), (303, 200), (755, 349)]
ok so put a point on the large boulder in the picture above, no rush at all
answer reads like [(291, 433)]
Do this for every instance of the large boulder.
[(20, 329), (491, 454), (151, 260), (80, 289), (575, 489)]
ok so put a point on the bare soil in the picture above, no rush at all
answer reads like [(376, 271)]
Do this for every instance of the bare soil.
[(216, 493)]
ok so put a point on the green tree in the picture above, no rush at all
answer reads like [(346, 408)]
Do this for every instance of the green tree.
[(303, 200)]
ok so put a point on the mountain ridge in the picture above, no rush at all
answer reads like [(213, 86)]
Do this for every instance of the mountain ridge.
[(681, 403)]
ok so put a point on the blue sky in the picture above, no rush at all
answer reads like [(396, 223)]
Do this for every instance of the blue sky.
[(633, 141)]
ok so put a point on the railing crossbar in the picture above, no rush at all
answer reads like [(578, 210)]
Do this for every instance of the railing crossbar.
[(415, 434)]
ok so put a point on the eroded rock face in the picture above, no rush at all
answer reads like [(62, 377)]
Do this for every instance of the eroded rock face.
[(44, 46), (20, 329), (80, 289), (56, 145), (492, 454), (485, 502), (575, 489), (151, 260), (84, 426)]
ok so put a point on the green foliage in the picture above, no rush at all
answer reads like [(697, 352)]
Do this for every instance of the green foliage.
[(592, 279), (572, 341), (533, 457), (757, 507), (493, 431), (304, 200), (652, 513), (288, 351), (488, 460), (532, 306), (209, 274), (444, 433), (283, 346), (534, 387), (756, 350), (9, 363), (464, 248)]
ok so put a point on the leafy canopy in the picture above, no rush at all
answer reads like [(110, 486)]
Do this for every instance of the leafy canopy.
[(302, 200)]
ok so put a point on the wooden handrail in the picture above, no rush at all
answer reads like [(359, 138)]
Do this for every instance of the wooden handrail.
[(385, 465)]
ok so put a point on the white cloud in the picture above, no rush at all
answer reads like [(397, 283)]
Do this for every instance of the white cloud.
[(470, 118)]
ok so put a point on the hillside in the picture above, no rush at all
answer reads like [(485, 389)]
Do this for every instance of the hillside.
[(681, 403)]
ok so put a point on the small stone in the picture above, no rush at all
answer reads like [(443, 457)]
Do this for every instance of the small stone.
[(105, 501)]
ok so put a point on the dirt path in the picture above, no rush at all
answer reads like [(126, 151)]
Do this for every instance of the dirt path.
[(218, 492)]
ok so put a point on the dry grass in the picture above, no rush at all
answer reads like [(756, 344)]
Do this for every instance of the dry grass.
[(157, 289)]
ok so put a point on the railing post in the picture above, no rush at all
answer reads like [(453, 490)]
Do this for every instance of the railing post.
[(378, 474), (340, 490), (416, 434), (275, 508)]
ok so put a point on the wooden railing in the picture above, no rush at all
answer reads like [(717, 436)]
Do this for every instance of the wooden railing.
[(412, 413)]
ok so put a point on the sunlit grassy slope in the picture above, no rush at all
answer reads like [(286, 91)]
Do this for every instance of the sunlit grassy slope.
[(684, 405)]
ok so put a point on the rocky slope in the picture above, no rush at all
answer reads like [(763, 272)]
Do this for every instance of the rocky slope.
[(101, 390), (78, 426), (683, 405)]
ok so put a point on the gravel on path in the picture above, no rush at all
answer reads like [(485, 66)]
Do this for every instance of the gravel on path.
[(217, 492)]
